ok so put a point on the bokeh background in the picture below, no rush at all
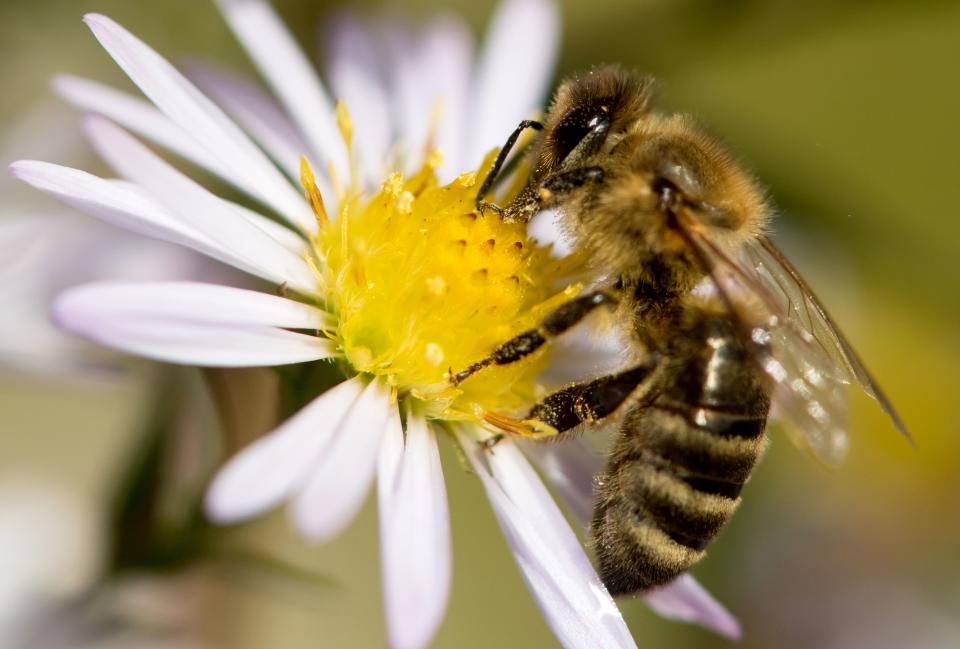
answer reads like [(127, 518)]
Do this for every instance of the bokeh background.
[(847, 111)]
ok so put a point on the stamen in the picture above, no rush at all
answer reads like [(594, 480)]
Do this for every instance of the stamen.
[(309, 183), (345, 124), (436, 115), (335, 181)]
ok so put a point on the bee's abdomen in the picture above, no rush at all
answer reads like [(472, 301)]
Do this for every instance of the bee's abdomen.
[(672, 481)]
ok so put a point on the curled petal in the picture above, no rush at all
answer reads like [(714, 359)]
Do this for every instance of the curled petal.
[(685, 599)]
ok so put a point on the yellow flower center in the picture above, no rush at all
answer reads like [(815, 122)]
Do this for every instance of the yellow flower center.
[(422, 284)]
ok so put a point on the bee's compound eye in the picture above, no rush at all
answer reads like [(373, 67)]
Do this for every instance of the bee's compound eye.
[(576, 125)]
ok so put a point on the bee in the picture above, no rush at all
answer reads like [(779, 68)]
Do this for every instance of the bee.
[(718, 323)]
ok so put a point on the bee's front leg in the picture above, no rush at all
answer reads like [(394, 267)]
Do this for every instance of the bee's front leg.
[(494, 173)]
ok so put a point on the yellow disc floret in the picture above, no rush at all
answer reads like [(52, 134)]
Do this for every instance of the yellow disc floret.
[(421, 283)]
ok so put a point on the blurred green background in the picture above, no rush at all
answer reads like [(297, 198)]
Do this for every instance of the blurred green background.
[(848, 113)]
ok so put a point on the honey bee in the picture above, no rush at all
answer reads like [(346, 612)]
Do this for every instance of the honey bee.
[(718, 323)]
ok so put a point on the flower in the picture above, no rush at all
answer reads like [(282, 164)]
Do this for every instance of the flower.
[(395, 281)]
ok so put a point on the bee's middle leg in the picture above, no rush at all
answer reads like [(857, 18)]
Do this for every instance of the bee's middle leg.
[(556, 322)]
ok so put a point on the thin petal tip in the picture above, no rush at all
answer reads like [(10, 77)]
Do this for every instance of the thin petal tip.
[(308, 529), (93, 20), (37, 173), (62, 84), (218, 506), (66, 311), (19, 168), (730, 629)]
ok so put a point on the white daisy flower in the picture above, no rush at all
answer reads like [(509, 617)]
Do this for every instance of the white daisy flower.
[(398, 282)]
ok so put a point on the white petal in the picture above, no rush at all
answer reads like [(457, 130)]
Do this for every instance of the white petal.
[(142, 118), (410, 94), (195, 205), (201, 119), (291, 76), (369, 110), (254, 110), (568, 591), (570, 466), (126, 206), (414, 534), (346, 37), (355, 78), (430, 72), (515, 69), (342, 475), (180, 330), (269, 470), (545, 228), (199, 302), (447, 56), (277, 231), (685, 599)]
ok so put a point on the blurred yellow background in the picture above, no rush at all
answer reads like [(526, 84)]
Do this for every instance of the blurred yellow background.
[(848, 112)]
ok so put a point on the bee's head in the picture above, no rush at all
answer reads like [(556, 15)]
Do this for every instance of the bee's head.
[(590, 113), (666, 175)]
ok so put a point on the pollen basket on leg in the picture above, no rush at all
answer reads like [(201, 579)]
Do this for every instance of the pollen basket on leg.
[(421, 283)]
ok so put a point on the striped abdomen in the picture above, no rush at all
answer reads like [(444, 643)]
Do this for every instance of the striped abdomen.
[(680, 460)]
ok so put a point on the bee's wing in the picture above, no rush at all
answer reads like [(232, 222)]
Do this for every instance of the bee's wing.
[(793, 340), (803, 307)]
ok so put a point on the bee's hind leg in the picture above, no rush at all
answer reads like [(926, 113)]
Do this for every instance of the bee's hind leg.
[(579, 403), (591, 401)]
